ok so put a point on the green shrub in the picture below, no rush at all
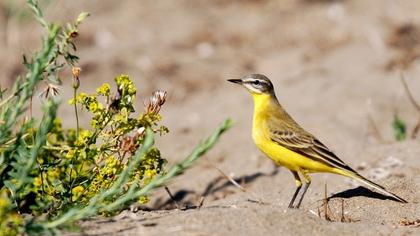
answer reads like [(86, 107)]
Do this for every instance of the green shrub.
[(51, 177)]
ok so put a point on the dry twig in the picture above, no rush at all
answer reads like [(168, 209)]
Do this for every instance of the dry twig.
[(172, 197), (201, 202), (409, 223), (327, 210), (343, 219)]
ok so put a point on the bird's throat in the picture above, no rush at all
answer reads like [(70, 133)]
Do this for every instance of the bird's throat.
[(263, 106), (263, 103)]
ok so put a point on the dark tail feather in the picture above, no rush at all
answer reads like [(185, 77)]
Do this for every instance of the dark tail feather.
[(378, 187)]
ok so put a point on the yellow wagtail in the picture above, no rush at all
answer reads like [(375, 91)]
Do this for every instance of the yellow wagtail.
[(278, 136)]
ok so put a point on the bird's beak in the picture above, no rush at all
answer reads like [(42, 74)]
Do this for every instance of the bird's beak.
[(236, 81)]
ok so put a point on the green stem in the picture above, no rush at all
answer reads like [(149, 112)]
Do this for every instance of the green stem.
[(77, 137), (75, 112), (98, 131)]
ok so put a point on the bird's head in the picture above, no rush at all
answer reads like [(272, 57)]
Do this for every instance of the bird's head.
[(255, 84)]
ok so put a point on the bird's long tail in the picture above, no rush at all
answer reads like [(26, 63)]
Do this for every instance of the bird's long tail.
[(374, 185)]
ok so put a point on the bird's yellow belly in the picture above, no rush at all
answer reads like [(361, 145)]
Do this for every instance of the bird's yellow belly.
[(285, 157)]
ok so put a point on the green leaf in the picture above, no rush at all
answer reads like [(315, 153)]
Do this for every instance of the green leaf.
[(82, 16), (2, 92), (400, 128)]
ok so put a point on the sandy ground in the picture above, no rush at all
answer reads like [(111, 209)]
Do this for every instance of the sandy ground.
[(334, 64)]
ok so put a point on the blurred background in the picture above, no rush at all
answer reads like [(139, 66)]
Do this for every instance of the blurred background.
[(335, 64)]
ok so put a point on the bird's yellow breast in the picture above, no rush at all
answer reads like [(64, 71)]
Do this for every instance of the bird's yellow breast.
[(265, 107)]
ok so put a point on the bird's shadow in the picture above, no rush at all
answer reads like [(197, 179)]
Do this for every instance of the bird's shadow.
[(361, 192)]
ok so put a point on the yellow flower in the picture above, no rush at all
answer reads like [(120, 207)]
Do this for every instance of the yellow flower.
[(37, 181), (149, 173), (72, 101), (3, 204), (81, 97), (53, 173), (77, 191), (104, 89), (143, 200), (83, 137), (70, 154), (111, 161)]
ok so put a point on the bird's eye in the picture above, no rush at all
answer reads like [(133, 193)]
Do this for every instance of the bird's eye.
[(256, 82)]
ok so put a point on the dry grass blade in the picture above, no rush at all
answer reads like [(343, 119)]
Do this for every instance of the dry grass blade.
[(236, 184), (325, 206), (409, 94), (344, 218), (416, 129), (413, 102), (374, 128)]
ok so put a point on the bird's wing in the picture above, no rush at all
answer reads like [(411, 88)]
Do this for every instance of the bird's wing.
[(302, 142)]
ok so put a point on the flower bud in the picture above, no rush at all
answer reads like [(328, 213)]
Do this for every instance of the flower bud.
[(76, 73)]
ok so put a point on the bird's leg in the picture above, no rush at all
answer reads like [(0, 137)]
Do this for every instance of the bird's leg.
[(307, 179), (298, 187)]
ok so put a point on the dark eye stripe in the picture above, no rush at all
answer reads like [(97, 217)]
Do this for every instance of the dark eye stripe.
[(259, 82), (256, 82)]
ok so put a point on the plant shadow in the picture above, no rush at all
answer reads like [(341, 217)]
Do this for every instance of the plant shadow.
[(218, 184)]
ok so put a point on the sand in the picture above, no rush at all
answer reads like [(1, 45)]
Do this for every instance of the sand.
[(335, 66)]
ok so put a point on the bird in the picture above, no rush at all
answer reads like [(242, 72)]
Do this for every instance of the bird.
[(289, 145)]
